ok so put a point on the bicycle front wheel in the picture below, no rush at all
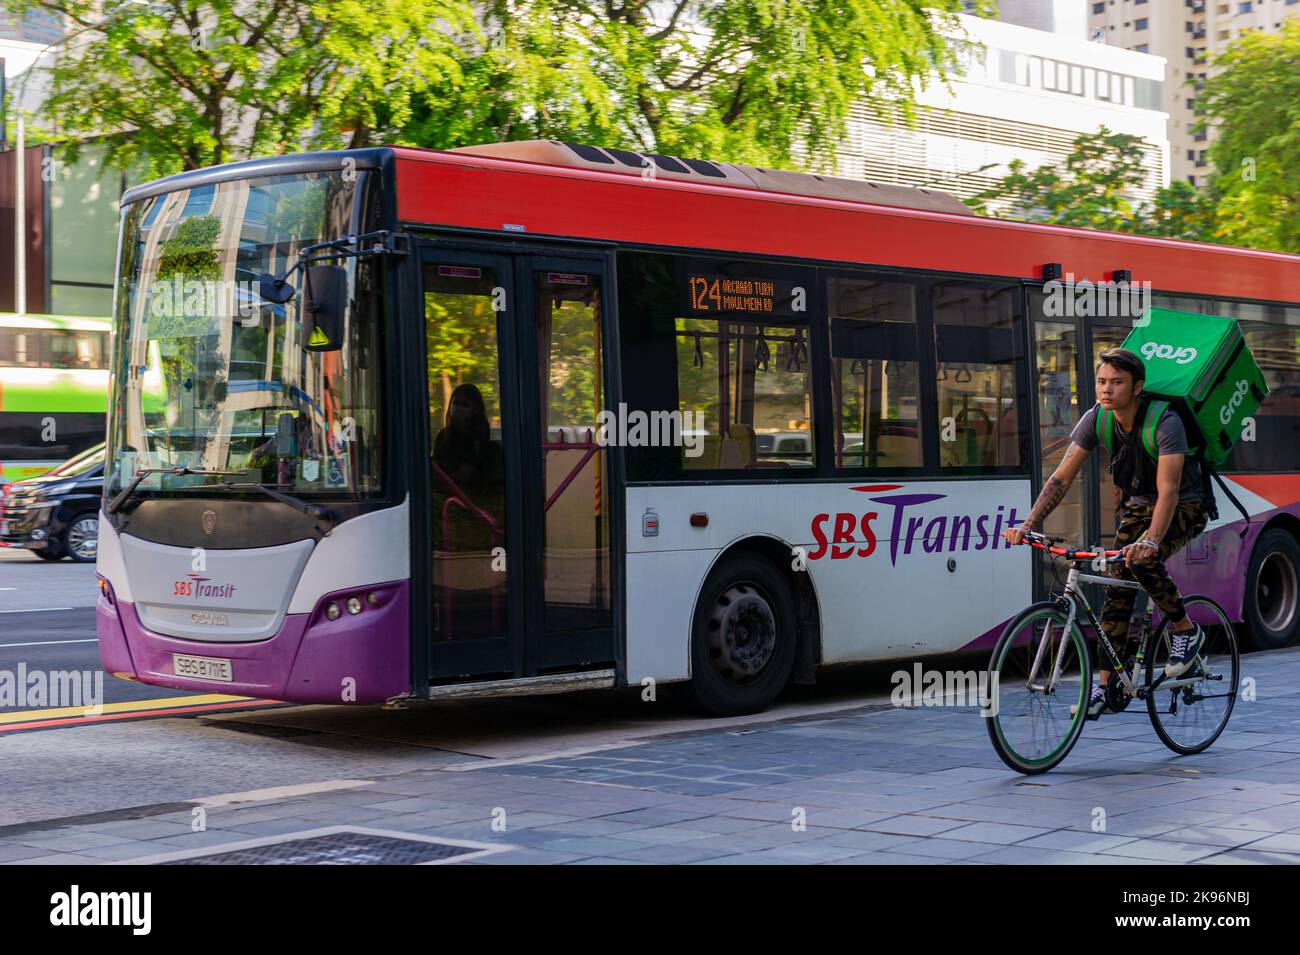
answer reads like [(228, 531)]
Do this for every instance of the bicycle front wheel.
[(1190, 712), (1040, 676)]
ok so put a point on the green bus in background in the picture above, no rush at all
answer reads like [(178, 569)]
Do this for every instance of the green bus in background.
[(53, 390)]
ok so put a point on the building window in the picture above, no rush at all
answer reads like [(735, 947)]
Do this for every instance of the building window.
[(1142, 48), (1099, 8), (1245, 7), (1140, 24)]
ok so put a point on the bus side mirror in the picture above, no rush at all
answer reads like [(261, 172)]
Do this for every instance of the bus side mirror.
[(271, 288), (324, 299)]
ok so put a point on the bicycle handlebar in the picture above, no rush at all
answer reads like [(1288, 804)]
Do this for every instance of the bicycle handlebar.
[(1051, 545)]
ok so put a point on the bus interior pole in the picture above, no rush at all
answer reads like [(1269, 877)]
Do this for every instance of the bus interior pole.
[(20, 218)]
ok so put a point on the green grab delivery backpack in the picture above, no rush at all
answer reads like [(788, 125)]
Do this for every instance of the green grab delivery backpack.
[(1200, 364), (1104, 426)]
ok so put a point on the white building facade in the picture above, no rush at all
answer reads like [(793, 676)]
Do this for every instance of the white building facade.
[(1022, 94)]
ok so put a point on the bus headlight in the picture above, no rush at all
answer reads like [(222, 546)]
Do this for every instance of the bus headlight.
[(332, 611), (354, 605)]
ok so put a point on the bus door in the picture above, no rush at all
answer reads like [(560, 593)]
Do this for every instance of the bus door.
[(519, 504), (1061, 396), (1065, 351)]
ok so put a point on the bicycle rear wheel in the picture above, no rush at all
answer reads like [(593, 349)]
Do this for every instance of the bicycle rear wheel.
[(1190, 712), (1034, 723)]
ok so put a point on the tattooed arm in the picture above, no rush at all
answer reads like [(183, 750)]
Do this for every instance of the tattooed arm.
[(1053, 492)]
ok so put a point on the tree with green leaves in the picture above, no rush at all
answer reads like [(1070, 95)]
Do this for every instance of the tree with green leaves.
[(1252, 101), (769, 82), (180, 84), (1092, 188)]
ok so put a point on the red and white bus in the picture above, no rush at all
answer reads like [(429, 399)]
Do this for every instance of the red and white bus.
[(546, 416)]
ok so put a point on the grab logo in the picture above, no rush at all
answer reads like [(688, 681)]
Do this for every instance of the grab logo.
[(1238, 396), (1156, 350)]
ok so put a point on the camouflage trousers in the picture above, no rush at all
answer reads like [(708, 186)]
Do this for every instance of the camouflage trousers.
[(1132, 521)]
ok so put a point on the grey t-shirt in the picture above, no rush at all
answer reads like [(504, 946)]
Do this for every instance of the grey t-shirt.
[(1171, 438)]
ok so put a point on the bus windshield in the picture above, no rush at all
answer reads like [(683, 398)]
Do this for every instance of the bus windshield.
[(209, 376)]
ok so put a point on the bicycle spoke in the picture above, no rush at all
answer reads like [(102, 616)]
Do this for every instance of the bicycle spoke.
[(1034, 724), (1190, 712)]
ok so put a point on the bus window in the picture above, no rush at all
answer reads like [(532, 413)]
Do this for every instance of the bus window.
[(718, 348), (468, 465), (745, 395), (874, 373), (1275, 444), (575, 528), (53, 348), (1056, 347), (17, 347), (974, 331), (75, 349)]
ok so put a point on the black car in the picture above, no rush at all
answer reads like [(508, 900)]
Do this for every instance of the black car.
[(56, 515)]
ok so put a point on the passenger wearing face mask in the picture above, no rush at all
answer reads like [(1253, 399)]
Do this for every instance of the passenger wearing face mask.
[(463, 446)]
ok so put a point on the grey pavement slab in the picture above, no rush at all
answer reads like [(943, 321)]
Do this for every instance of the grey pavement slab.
[(881, 786)]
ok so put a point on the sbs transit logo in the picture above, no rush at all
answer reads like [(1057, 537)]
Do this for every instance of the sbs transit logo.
[(944, 533), (1183, 355), (196, 586)]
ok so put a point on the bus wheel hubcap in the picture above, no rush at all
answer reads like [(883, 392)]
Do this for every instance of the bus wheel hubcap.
[(742, 633), (1276, 591), (83, 537)]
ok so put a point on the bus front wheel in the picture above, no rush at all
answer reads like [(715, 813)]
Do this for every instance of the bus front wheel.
[(743, 637)]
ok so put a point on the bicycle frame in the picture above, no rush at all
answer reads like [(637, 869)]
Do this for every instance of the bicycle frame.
[(1074, 596)]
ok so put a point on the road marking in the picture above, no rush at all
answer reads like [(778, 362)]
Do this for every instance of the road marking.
[(48, 643), (114, 717), (37, 610), (8, 588), (123, 707)]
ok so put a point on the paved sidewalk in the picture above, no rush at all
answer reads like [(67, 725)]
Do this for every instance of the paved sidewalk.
[(879, 785)]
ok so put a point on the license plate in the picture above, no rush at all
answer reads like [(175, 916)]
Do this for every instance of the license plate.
[(202, 668)]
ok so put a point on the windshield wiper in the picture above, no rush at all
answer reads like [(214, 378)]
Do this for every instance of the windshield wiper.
[(311, 510), (120, 500)]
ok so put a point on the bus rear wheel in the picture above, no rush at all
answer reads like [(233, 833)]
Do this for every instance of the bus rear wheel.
[(1273, 590), (743, 637)]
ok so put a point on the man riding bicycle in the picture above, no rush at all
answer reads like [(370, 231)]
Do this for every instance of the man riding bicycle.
[(1160, 507)]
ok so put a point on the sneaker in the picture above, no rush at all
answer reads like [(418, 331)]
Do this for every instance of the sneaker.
[(1096, 703), (1183, 649)]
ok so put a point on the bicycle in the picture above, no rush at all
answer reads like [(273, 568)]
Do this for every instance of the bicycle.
[(1040, 673)]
